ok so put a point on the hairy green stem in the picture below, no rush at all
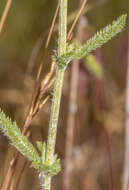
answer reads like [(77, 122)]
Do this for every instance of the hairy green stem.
[(57, 92)]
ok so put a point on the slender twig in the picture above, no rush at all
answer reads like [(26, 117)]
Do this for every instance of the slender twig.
[(52, 26), (125, 182), (48, 39), (38, 45), (76, 19), (6, 10)]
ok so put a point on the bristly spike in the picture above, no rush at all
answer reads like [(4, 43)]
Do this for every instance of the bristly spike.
[(21, 142), (93, 43)]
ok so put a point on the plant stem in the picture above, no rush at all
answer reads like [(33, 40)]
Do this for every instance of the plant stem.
[(6, 10), (57, 92), (54, 115)]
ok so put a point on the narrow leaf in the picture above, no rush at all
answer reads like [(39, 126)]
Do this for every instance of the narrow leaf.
[(21, 142), (93, 43)]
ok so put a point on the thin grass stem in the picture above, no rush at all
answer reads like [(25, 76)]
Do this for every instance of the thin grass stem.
[(6, 10)]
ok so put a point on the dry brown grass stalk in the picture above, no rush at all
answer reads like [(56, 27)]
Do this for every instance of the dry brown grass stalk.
[(36, 104), (52, 26), (6, 10), (76, 19)]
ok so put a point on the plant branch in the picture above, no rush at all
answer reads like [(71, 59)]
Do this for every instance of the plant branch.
[(57, 93), (100, 38)]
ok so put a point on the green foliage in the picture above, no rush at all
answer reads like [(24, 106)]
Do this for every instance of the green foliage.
[(96, 41), (49, 170), (40, 145), (44, 166), (23, 145), (93, 66), (21, 142)]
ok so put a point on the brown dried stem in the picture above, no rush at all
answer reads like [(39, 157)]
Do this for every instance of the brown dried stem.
[(48, 40), (52, 26), (36, 105), (76, 19), (6, 10)]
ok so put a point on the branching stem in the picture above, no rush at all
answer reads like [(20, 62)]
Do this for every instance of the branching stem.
[(57, 92)]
